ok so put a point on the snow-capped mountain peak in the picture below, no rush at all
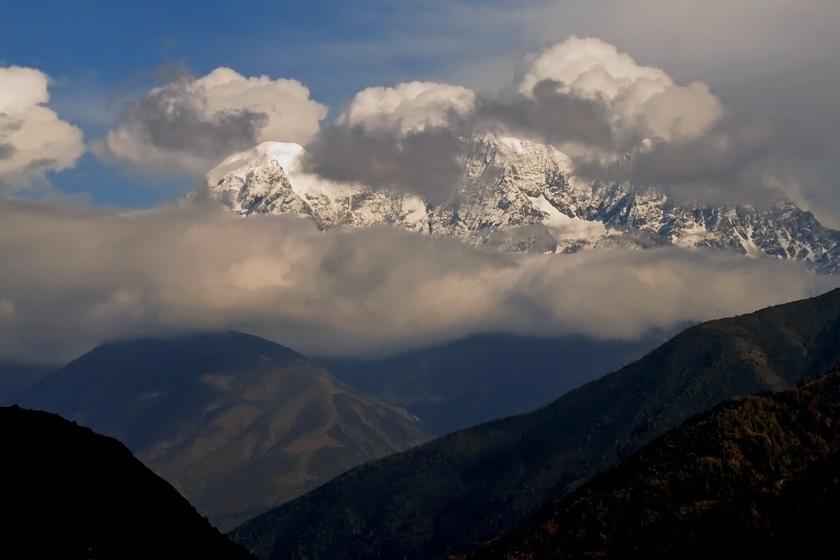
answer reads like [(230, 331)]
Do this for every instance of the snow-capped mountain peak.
[(518, 195), (286, 154)]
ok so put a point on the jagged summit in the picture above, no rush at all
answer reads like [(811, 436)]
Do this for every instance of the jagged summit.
[(518, 195)]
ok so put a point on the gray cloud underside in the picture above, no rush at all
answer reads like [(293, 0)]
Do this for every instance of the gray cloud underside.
[(425, 162), (548, 116), (74, 276), (731, 164), (9, 124), (7, 151), (171, 125)]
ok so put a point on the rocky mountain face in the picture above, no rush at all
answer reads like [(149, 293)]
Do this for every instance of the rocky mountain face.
[(517, 195), (236, 423)]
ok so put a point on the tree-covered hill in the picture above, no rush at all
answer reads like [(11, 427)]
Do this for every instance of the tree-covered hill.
[(755, 477)]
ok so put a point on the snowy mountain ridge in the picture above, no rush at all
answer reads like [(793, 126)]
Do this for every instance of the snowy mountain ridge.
[(517, 195)]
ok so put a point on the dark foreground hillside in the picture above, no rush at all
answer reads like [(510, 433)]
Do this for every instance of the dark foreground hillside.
[(755, 477), (70, 493), (462, 490)]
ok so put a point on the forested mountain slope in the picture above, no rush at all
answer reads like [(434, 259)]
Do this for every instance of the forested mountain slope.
[(756, 477)]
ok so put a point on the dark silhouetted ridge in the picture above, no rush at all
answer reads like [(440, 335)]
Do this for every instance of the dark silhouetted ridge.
[(70, 493)]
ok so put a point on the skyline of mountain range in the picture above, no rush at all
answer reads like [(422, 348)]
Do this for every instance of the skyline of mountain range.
[(521, 196)]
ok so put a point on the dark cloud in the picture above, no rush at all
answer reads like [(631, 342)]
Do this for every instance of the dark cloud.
[(424, 162), (731, 163), (39, 164), (8, 124), (549, 115), (171, 124), (7, 150)]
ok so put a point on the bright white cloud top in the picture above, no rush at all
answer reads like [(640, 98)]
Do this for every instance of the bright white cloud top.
[(33, 139), (640, 99), (408, 106)]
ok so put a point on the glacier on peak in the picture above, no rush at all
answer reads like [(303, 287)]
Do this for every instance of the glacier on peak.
[(519, 195)]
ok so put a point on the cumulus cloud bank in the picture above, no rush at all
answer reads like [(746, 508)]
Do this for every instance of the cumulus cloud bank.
[(583, 96), (408, 106), (191, 124), (74, 276), (640, 100), (33, 139)]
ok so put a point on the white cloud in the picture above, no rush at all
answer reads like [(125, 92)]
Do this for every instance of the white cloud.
[(408, 106), (189, 125), (33, 139), (640, 99), (75, 276)]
